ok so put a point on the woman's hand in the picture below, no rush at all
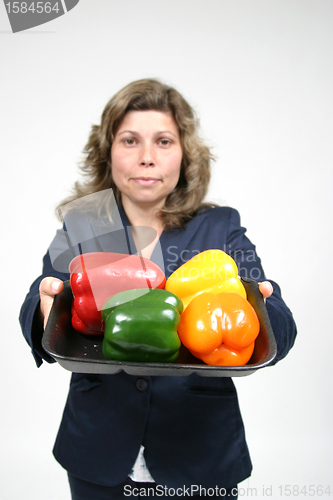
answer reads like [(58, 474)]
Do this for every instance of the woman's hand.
[(266, 288), (48, 288)]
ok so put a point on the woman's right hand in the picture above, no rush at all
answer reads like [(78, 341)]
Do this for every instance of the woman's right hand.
[(48, 289)]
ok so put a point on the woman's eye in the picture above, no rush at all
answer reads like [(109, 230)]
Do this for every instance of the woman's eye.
[(129, 141), (165, 142)]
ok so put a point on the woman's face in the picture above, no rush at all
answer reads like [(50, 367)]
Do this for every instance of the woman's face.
[(146, 156)]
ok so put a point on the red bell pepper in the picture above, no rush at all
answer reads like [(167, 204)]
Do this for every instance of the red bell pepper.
[(97, 276)]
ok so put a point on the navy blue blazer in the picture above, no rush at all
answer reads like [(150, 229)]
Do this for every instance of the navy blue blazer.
[(191, 427)]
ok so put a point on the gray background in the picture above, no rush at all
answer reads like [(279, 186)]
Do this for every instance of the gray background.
[(259, 73)]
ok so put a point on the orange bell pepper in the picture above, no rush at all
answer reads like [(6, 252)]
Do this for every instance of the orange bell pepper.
[(219, 328), (211, 271)]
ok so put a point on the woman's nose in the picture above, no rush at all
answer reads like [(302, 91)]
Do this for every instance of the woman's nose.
[(147, 157)]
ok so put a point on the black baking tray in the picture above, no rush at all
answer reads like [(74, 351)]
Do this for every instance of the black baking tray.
[(83, 354)]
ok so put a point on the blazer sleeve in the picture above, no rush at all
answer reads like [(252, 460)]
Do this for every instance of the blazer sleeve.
[(249, 266), (29, 317)]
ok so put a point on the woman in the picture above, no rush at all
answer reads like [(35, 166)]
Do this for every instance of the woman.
[(185, 432)]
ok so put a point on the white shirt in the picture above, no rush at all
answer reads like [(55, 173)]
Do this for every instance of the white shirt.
[(140, 472)]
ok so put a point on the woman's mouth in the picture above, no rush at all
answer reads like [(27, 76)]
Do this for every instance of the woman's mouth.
[(146, 181)]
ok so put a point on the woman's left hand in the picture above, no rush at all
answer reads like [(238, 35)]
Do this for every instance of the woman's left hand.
[(266, 288)]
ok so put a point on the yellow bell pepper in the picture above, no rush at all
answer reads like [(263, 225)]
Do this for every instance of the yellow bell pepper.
[(211, 271)]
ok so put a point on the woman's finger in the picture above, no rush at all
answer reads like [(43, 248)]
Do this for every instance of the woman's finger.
[(48, 288), (266, 288)]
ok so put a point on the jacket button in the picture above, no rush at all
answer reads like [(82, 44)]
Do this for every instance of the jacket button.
[(141, 384)]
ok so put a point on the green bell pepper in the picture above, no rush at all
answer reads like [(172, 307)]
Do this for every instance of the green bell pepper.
[(141, 326)]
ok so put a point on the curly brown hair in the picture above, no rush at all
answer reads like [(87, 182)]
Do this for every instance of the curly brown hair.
[(142, 95)]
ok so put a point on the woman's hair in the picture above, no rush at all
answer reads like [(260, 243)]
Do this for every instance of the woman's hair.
[(142, 95)]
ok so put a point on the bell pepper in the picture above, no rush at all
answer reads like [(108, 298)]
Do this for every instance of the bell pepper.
[(211, 271), (220, 328), (98, 275), (142, 326)]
